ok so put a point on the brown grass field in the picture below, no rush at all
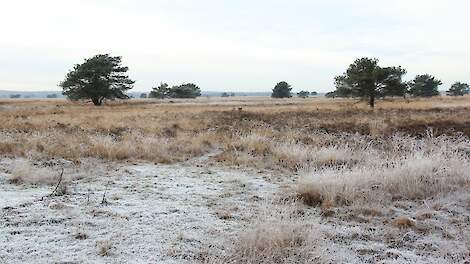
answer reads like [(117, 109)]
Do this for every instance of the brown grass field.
[(352, 184), (163, 131)]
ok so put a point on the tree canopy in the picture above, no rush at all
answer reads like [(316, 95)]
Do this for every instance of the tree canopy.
[(366, 79), (393, 84), (161, 91), (331, 94), (188, 90), (424, 85), (98, 78), (282, 90), (458, 89), (303, 94)]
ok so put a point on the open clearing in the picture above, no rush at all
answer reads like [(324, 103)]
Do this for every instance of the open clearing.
[(152, 213), (242, 180)]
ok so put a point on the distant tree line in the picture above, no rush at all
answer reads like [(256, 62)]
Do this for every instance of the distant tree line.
[(284, 90), (187, 90), (367, 80), (225, 94), (305, 94), (103, 77), (458, 89)]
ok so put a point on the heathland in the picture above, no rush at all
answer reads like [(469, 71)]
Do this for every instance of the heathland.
[(239, 179)]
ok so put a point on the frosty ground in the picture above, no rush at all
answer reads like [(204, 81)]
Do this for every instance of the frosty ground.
[(240, 180), (163, 213), (194, 212)]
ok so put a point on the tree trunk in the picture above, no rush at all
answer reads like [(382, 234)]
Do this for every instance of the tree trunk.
[(96, 101), (372, 100)]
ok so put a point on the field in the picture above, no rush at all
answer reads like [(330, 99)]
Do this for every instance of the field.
[(236, 180)]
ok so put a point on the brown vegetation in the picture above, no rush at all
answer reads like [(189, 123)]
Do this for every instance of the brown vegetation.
[(280, 235), (288, 134), (366, 170), (402, 149)]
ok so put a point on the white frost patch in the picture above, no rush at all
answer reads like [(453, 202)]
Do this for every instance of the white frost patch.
[(152, 213), (185, 213)]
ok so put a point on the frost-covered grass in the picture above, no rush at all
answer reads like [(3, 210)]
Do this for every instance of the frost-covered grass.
[(406, 168), (280, 181), (280, 234), (24, 173)]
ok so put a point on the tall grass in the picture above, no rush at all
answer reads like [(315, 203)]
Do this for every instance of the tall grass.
[(407, 168), (275, 134), (279, 234)]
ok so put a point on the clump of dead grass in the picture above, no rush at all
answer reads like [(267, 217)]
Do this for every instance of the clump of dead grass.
[(335, 156), (284, 151), (279, 235), (104, 247), (428, 168), (24, 172)]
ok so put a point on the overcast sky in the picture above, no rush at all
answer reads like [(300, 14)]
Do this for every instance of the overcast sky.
[(237, 45)]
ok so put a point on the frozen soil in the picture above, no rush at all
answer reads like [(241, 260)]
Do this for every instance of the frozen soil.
[(136, 212), (151, 213)]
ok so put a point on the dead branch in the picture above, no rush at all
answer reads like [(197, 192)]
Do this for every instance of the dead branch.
[(104, 201), (58, 183), (54, 192)]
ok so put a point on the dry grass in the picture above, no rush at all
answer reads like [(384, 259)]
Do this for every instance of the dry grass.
[(400, 149), (279, 134), (279, 235), (348, 156), (25, 173), (408, 168), (104, 247)]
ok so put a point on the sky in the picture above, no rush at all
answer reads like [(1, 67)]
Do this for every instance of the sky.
[(236, 45)]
